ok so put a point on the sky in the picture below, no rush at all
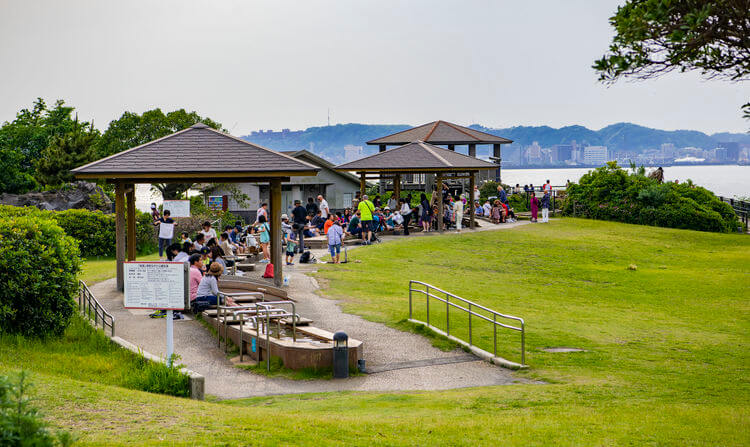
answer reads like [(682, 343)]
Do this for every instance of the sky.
[(284, 64)]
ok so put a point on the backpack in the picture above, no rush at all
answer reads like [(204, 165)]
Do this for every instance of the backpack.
[(307, 258), (269, 271)]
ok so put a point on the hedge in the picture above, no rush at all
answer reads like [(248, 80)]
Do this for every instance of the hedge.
[(38, 285), (611, 193)]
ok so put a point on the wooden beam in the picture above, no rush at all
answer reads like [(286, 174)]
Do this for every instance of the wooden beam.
[(496, 155), (130, 196), (276, 235), (120, 234), (441, 211), (362, 184), (472, 182)]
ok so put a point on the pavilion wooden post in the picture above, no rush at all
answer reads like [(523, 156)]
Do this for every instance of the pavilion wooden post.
[(275, 224), (471, 199), (362, 185), (472, 150), (120, 234), (396, 188), (452, 147), (441, 211), (496, 156), (130, 196)]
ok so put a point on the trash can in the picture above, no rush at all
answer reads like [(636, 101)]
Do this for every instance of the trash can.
[(340, 355)]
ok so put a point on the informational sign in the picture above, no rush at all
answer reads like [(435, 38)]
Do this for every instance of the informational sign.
[(177, 208), (216, 202), (156, 285)]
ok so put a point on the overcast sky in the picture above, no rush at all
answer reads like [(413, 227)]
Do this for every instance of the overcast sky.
[(272, 64)]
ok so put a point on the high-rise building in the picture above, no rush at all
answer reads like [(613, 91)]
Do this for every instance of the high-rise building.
[(595, 155), (733, 150), (667, 150), (564, 152), (352, 153)]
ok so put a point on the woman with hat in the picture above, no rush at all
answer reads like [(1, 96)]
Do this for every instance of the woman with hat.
[(208, 289)]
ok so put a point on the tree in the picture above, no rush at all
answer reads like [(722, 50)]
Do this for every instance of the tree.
[(132, 130), (23, 139), (75, 148), (654, 37)]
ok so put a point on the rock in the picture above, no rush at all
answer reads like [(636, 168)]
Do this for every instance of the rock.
[(77, 195)]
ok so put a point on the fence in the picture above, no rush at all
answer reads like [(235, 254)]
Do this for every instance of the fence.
[(91, 309), (741, 208), (470, 309)]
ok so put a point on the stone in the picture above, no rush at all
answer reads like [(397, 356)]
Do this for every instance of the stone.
[(76, 195)]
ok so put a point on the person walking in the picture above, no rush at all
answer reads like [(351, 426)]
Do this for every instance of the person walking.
[(534, 207), (458, 212), (299, 217), (323, 206), (366, 208), (545, 207), (406, 214)]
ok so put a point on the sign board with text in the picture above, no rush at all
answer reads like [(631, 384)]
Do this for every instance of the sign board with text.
[(177, 208), (156, 285)]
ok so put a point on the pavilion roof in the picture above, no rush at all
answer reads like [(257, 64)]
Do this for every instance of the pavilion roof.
[(440, 132), (417, 156), (197, 152)]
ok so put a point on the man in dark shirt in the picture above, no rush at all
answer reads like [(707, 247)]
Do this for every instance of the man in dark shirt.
[(318, 221), (299, 217), (311, 207)]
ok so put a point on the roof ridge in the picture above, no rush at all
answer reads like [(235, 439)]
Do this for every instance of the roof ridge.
[(458, 128), (401, 131), (435, 154), (259, 147), (429, 134), (165, 137)]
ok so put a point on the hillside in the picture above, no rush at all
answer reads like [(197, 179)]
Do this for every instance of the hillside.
[(329, 141)]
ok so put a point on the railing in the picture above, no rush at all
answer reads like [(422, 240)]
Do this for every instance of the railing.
[(446, 297), (741, 208), (91, 309)]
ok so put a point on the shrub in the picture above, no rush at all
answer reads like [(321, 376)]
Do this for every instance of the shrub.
[(20, 423), (610, 193), (37, 287), (157, 377)]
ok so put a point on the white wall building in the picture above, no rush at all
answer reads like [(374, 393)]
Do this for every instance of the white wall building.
[(595, 155)]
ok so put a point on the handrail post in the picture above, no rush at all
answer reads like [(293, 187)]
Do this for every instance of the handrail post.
[(523, 343), (428, 304), (447, 314), (494, 333), (242, 321), (410, 311), (470, 343)]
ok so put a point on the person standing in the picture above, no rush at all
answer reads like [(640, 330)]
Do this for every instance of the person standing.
[(426, 212), (393, 203), (534, 207), (476, 193), (299, 217), (155, 216), (262, 211), (335, 239), (265, 239), (406, 214), (501, 194), (545, 207), (547, 188), (323, 206), (458, 212), (166, 232), (366, 208)]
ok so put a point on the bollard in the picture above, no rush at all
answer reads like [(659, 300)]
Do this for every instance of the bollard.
[(340, 355)]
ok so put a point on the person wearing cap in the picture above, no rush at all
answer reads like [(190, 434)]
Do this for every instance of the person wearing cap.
[(208, 290), (299, 217)]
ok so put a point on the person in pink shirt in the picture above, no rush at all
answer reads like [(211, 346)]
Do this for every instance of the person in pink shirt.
[(195, 275)]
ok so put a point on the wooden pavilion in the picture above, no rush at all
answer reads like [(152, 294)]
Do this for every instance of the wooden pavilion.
[(198, 154), (445, 134), (419, 157)]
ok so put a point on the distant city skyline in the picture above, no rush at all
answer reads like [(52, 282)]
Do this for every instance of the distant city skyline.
[(270, 65)]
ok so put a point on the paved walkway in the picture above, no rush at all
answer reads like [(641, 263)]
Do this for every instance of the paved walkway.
[(402, 361)]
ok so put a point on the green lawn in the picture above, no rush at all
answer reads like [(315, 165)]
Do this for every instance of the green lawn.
[(666, 364), (96, 269)]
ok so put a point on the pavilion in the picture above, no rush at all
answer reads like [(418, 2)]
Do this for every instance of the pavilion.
[(445, 134), (198, 154), (419, 157)]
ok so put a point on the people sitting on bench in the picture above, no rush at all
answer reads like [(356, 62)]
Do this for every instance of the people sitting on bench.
[(355, 226)]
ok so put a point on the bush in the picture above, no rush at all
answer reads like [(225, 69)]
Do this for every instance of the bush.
[(610, 193), (20, 423), (94, 230), (38, 285)]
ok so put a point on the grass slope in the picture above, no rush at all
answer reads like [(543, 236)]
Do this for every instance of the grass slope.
[(667, 360), (97, 269)]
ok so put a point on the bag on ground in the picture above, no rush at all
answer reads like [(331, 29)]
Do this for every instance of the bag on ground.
[(269, 271)]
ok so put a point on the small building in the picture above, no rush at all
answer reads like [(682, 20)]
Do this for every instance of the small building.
[(338, 188)]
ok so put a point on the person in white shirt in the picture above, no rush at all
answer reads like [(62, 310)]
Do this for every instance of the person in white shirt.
[(476, 193), (392, 203), (405, 212), (547, 187), (262, 211), (207, 231), (487, 208), (323, 205), (458, 212)]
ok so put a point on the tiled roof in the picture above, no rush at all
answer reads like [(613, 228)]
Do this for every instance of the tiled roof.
[(441, 132), (417, 155), (197, 149)]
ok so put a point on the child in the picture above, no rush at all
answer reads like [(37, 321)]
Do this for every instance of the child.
[(291, 245), (265, 239), (185, 238)]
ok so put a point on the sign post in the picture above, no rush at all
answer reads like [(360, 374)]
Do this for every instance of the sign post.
[(157, 285)]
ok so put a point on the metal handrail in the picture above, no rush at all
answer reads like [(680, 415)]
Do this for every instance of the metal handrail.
[(468, 309), (87, 302)]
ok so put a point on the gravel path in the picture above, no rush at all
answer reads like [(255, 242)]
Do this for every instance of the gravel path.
[(384, 347)]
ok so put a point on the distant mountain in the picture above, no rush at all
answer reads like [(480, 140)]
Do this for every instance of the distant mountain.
[(329, 141)]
